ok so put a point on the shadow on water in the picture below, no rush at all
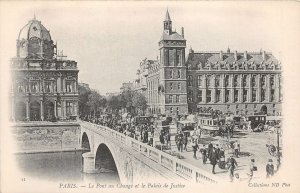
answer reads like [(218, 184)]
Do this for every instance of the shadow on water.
[(60, 166)]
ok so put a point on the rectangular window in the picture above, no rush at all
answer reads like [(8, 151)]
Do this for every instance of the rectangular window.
[(199, 96), (236, 95), (227, 96), (217, 80), (254, 91), (208, 96), (179, 86), (69, 86), (177, 110), (263, 95), (244, 80), (34, 87), (177, 98), (171, 110), (272, 95), (190, 96), (69, 108), (254, 80), (48, 87), (272, 80), (218, 95), (199, 80), (245, 95), (208, 81), (226, 80), (190, 80), (21, 87), (170, 98), (263, 80), (171, 86), (235, 80), (171, 74), (178, 59), (178, 74)]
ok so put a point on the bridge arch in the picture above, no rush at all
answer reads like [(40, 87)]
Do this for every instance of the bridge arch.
[(105, 160), (85, 142)]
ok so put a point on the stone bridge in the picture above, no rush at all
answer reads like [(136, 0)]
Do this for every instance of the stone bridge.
[(134, 161)]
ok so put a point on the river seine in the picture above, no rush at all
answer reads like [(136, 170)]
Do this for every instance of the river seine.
[(59, 166)]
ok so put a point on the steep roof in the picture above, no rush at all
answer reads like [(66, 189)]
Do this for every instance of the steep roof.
[(229, 59), (167, 18), (172, 36)]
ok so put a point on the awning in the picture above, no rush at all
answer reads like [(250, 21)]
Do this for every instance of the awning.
[(274, 118)]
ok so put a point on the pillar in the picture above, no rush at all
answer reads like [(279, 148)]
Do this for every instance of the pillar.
[(277, 89), (213, 91), (258, 88), (27, 110), (204, 90), (58, 87), (268, 88), (250, 88), (55, 110), (63, 84), (241, 88), (222, 88), (42, 111), (88, 163), (231, 88)]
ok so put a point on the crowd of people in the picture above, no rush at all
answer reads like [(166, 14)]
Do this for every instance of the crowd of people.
[(212, 153)]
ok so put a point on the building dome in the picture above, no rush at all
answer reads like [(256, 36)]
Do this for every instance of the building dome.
[(35, 41), (34, 28)]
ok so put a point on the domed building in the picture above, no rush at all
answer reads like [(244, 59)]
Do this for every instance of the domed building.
[(44, 84)]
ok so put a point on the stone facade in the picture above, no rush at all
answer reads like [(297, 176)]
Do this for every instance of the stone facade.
[(46, 137), (44, 85), (232, 82), (240, 83), (166, 77)]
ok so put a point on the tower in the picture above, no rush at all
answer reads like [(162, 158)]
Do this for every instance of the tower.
[(173, 70)]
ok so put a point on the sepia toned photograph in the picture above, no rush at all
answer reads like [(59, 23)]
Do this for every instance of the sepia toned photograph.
[(149, 96)]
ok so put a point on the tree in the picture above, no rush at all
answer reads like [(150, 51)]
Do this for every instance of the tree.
[(83, 97), (114, 103), (139, 102), (96, 101), (126, 100)]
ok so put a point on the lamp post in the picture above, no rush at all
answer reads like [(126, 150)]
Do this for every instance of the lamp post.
[(278, 146)]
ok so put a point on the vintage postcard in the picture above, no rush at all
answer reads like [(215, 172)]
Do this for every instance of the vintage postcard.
[(154, 96)]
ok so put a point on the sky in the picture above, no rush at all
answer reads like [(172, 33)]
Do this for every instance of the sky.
[(109, 39)]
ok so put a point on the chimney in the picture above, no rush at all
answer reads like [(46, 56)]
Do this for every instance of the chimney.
[(221, 55), (235, 55), (264, 55), (182, 32), (246, 55)]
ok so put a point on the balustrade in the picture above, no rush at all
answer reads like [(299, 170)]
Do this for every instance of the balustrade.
[(181, 168)]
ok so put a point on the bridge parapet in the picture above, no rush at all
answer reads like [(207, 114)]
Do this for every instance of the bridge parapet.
[(171, 163)]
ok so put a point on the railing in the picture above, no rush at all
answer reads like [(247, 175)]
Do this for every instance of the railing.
[(180, 167)]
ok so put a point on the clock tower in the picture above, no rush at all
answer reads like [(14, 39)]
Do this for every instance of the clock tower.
[(173, 70)]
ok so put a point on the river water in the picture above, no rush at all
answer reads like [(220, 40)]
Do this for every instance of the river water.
[(60, 166)]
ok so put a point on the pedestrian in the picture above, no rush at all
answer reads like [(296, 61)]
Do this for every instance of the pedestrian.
[(251, 169), (236, 148), (185, 141), (180, 141), (210, 147), (204, 154), (270, 168), (222, 159), (218, 151), (213, 159), (232, 164), (195, 148)]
